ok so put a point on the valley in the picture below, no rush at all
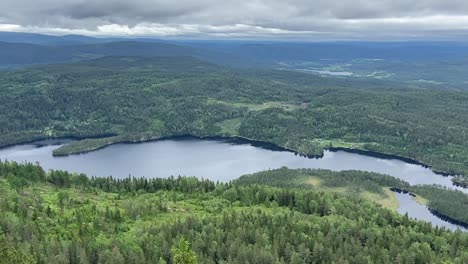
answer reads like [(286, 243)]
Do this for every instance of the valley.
[(144, 150)]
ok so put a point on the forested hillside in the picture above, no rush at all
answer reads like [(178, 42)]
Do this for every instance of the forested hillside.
[(57, 217), (365, 185), (135, 99), (23, 54), (439, 65), (49, 40)]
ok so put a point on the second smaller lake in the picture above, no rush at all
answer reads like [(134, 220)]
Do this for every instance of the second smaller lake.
[(408, 205), (324, 72)]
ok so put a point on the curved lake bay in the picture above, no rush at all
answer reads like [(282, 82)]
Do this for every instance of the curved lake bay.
[(217, 160), (413, 209)]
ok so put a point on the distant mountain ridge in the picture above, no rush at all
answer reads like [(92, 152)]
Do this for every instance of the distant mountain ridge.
[(418, 64), (18, 54), (41, 39), (72, 39), (237, 53)]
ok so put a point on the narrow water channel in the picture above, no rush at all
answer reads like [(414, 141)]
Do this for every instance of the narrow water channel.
[(408, 205)]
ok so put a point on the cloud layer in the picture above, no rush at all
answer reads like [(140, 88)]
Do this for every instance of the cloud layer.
[(312, 19)]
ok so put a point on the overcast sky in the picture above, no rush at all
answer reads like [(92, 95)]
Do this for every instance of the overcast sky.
[(280, 19)]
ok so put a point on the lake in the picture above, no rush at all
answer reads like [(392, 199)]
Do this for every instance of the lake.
[(408, 205), (218, 160), (324, 72)]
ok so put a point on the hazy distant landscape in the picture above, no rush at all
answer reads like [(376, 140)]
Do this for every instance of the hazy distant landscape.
[(416, 64), (233, 132)]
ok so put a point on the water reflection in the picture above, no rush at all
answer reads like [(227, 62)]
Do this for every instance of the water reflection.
[(213, 159)]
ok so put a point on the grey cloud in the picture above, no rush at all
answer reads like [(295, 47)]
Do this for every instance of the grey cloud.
[(345, 18)]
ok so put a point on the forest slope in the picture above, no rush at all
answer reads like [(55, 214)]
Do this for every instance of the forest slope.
[(364, 185), (58, 217), (136, 99)]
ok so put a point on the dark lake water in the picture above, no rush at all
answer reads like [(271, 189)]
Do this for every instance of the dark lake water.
[(415, 210), (217, 160)]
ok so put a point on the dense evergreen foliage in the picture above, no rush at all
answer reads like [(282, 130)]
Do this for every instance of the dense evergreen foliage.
[(20, 54), (388, 105), (460, 181), (285, 177), (353, 183), (58, 217), (134, 99)]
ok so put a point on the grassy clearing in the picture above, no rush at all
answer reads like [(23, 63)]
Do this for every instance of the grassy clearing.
[(421, 200), (259, 107), (230, 126), (324, 143), (386, 200), (316, 182)]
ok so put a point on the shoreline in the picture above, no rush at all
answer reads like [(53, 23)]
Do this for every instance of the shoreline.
[(56, 138), (230, 139), (390, 156), (239, 140), (436, 213), (234, 140), (448, 218)]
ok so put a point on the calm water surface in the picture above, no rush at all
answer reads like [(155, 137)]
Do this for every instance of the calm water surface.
[(220, 161), (415, 210), (212, 159)]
